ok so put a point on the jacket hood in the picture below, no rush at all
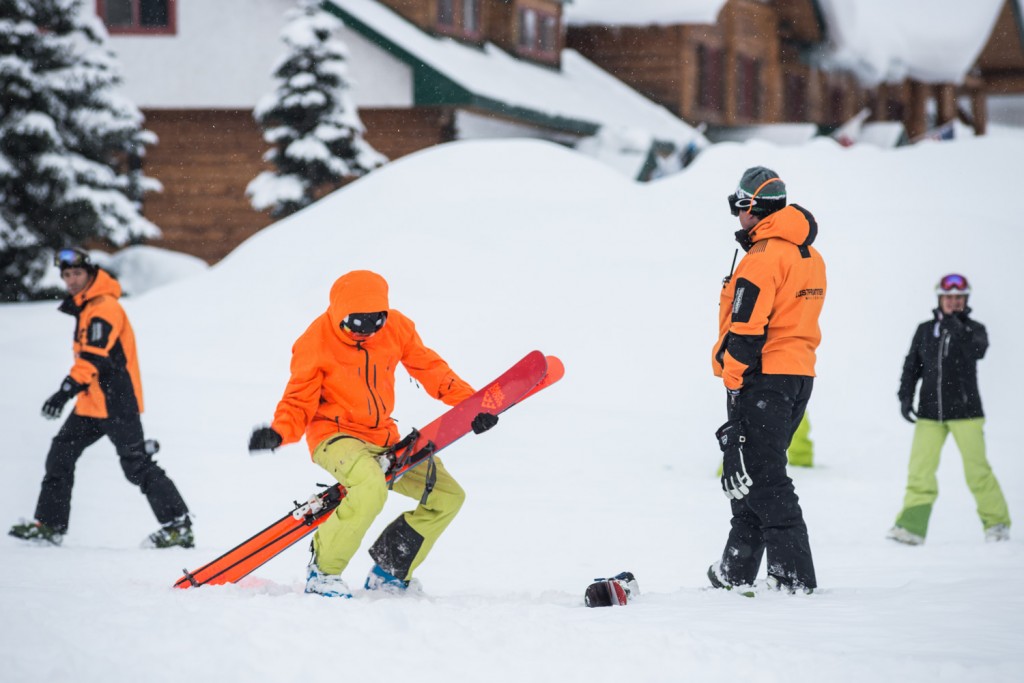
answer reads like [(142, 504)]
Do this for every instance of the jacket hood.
[(360, 291), (793, 223), (103, 284)]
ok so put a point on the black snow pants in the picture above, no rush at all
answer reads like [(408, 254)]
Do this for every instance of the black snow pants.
[(125, 432), (769, 517)]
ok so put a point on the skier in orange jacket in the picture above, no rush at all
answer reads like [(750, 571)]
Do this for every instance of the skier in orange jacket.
[(340, 396), (765, 355), (105, 381)]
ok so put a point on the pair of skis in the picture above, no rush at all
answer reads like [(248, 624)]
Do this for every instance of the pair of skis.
[(524, 379)]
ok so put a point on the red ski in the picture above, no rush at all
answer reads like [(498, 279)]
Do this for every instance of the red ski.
[(524, 379)]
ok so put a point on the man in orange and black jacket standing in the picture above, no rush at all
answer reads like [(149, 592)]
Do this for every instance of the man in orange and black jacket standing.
[(765, 355), (105, 381)]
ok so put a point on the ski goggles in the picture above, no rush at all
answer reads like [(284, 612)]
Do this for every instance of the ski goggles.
[(741, 200), (739, 203), (953, 284), (365, 323), (71, 258)]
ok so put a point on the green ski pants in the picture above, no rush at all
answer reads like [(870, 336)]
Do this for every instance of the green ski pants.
[(353, 463), (801, 448), (923, 487)]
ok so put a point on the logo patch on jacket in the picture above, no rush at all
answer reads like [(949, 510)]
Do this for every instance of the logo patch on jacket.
[(98, 333), (744, 301)]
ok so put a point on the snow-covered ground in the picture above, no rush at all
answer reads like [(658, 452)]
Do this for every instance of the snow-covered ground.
[(496, 249)]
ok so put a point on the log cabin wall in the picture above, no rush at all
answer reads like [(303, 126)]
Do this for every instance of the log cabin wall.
[(397, 132), (423, 13), (1001, 63), (651, 60), (205, 159)]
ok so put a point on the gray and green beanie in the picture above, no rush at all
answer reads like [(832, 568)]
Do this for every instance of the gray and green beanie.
[(772, 194)]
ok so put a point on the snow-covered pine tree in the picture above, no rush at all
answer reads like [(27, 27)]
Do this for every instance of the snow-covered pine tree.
[(67, 141), (309, 117)]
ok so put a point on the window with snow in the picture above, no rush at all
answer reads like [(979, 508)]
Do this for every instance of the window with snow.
[(527, 28), (446, 13), (459, 18), (538, 33), (748, 88), (795, 93), (710, 87), (471, 16), (138, 16)]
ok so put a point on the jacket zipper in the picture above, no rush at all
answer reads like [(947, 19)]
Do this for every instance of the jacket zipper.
[(375, 409), (943, 348)]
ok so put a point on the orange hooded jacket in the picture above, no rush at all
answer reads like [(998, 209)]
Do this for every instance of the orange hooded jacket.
[(339, 385), (105, 358), (768, 311)]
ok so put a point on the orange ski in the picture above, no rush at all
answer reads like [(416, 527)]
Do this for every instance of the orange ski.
[(525, 378)]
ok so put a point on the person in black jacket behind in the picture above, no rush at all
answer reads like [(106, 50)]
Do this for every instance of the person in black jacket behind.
[(944, 356)]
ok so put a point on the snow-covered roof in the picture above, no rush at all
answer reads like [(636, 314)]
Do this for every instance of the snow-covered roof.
[(579, 96), (643, 12), (932, 41)]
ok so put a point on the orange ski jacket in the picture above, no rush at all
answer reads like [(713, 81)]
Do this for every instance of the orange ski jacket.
[(768, 311), (104, 346), (340, 385)]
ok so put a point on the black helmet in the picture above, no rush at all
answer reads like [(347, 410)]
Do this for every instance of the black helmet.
[(73, 257)]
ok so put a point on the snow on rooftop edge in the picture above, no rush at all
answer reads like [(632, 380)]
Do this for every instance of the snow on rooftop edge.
[(642, 12), (580, 90)]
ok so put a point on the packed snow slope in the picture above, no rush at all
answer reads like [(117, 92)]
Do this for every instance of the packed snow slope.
[(495, 249)]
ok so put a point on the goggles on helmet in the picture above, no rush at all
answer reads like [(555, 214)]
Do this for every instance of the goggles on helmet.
[(364, 323), (953, 284), (71, 258)]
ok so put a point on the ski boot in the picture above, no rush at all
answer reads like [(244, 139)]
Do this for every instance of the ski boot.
[(37, 532), (177, 532), (327, 585)]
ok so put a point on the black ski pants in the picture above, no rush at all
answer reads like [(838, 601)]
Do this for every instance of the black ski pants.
[(125, 432), (770, 408)]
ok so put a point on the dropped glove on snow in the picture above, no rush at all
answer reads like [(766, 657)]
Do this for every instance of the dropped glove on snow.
[(907, 410), (54, 405), (735, 481), (264, 438), (482, 422)]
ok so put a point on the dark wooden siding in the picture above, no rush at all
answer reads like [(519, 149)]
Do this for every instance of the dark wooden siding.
[(205, 160)]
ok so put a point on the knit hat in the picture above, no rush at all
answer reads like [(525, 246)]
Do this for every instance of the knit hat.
[(760, 191)]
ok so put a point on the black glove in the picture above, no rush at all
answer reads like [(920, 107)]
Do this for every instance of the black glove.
[(735, 481), (483, 421), (54, 405), (264, 438), (907, 410)]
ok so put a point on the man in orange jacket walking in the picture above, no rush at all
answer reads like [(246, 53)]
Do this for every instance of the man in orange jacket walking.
[(340, 395), (105, 379), (765, 355)]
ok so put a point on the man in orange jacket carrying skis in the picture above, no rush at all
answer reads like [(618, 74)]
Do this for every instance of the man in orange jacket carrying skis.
[(765, 355), (340, 395)]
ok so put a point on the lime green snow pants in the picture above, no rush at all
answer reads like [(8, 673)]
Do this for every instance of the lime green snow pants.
[(801, 448), (923, 487), (353, 463)]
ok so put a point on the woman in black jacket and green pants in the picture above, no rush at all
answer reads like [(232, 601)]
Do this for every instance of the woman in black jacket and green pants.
[(944, 356)]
